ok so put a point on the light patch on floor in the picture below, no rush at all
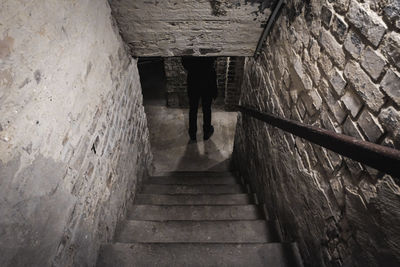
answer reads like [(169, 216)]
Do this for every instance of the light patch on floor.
[(172, 150)]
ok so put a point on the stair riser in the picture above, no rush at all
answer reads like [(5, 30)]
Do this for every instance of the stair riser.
[(255, 255), (195, 219), (192, 189), (201, 213), (194, 232), (234, 199), (187, 180)]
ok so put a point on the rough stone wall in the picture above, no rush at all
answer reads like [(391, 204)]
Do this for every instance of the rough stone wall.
[(176, 82), (193, 27), (73, 133), (331, 64), (234, 79)]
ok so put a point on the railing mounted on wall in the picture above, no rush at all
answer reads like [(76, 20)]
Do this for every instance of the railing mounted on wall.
[(380, 157), (268, 26)]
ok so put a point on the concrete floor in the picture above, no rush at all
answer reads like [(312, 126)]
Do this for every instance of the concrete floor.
[(169, 129), (172, 150)]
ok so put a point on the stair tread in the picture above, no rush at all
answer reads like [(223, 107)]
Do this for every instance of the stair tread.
[(196, 173), (190, 180), (195, 219), (177, 254), (194, 231), (192, 189), (198, 212), (194, 199)]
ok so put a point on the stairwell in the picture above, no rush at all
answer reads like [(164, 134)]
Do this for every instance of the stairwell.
[(196, 219)]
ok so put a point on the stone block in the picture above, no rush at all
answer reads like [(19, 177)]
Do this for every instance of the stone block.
[(341, 6), (391, 11), (367, 22), (391, 85), (312, 101), (370, 126), (335, 159), (354, 167), (326, 16), (352, 103), (337, 81), (367, 189), (332, 48), (325, 63), (300, 78), (337, 189), (323, 159), (373, 62), (367, 90), (327, 121), (350, 128), (390, 119), (315, 50), (353, 45), (339, 28), (301, 109), (333, 104), (391, 48), (311, 67)]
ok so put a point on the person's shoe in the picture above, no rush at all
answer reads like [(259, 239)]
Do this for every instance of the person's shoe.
[(208, 133), (192, 137)]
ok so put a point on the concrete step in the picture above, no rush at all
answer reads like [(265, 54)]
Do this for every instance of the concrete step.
[(192, 189), (254, 231), (226, 199), (191, 180), (153, 254), (195, 213), (195, 173)]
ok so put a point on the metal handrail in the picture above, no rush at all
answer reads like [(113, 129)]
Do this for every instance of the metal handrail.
[(380, 157), (268, 27)]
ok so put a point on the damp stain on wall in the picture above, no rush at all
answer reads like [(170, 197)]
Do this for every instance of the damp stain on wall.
[(6, 45)]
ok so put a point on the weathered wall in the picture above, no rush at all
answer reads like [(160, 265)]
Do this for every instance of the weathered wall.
[(233, 84), (73, 133), (194, 27), (332, 64), (175, 82)]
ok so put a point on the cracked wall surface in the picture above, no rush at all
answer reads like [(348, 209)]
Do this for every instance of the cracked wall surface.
[(201, 28), (335, 65), (73, 133)]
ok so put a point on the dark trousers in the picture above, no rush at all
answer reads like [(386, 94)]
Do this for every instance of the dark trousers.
[(194, 105)]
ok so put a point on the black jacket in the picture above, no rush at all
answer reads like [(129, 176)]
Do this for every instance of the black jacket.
[(202, 78)]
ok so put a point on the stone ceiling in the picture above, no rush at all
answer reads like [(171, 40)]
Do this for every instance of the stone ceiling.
[(191, 27)]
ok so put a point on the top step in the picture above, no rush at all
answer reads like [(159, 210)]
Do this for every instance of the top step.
[(194, 173), (193, 178)]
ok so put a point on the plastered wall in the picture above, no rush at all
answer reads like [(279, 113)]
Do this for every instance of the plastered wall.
[(73, 133)]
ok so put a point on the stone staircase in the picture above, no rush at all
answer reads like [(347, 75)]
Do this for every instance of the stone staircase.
[(196, 219)]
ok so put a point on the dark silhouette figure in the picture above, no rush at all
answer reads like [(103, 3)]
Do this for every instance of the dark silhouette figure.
[(201, 84)]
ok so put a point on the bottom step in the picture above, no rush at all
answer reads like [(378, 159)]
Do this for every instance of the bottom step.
[(158, 254)]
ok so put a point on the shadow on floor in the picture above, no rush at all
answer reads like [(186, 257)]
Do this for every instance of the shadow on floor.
[(210, 158), (169, 140)]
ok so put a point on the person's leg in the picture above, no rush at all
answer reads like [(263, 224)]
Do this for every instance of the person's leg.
[(208, 129), (193, 107)]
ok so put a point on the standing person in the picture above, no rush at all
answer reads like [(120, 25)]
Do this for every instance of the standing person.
[(201, 84)]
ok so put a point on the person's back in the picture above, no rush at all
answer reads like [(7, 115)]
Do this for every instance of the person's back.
[(202, 84), (202, 78)]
